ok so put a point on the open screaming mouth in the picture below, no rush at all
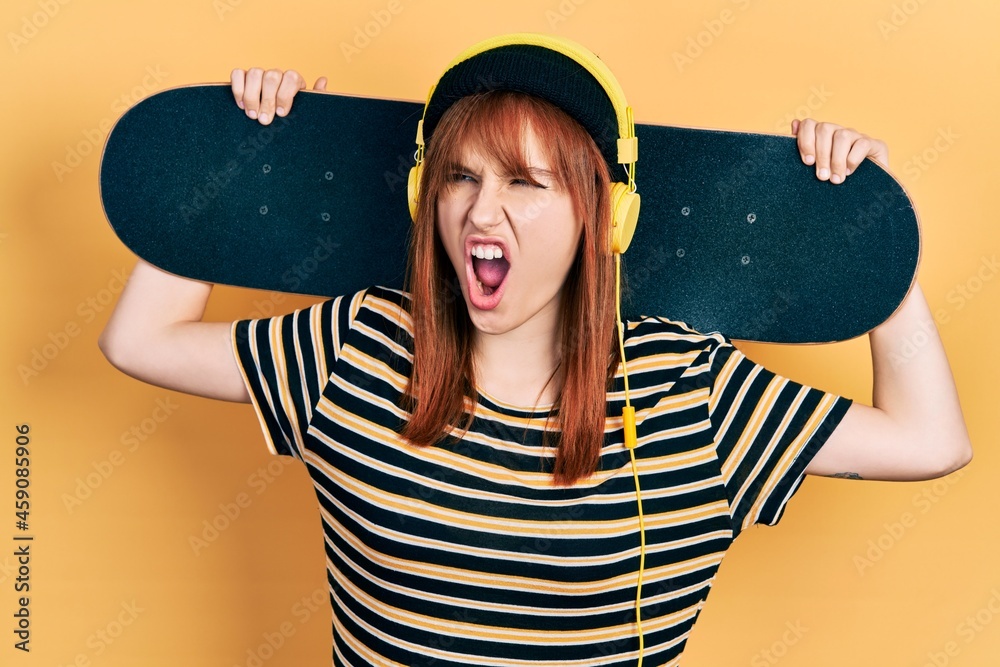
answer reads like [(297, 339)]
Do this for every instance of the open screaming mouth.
[(490, 273)]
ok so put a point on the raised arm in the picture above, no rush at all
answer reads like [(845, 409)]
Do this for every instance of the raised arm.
[(914, 428), (156, 333)]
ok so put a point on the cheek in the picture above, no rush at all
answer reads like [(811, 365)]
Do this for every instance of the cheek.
[(448, 236), (561, 237), (554, 242)]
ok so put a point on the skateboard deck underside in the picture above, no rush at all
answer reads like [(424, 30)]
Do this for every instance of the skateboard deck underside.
[(735, 233)]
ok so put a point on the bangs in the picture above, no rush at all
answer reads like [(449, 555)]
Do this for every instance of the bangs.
[(500, 135), (495, 126)]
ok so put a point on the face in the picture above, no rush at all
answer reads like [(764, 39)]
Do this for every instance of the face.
[(510, 240)]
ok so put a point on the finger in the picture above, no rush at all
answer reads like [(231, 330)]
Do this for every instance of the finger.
[(879, 152), (844, 139), (320, 84), (795, 126), (251, 92), (824, 147), (238, 80), (859, 151), (291, 83), (807, 140), (268, 95)]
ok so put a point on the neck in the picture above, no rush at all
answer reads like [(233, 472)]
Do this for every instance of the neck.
[(521, 366)]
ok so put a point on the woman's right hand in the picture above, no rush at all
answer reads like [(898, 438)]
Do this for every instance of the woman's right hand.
[(264, 93)]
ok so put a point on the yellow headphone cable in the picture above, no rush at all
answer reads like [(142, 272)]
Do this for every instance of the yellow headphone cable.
[(628, 428)]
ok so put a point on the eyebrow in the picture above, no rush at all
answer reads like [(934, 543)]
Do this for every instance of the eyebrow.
[(458, 166), (539, 170)]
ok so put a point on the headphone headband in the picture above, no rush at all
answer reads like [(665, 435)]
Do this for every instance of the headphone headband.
[(553, 68), (564, 73)]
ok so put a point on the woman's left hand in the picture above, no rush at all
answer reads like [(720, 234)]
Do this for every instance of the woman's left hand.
[(836, 150)]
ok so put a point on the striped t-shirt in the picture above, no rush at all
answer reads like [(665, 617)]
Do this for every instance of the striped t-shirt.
[(466, 553)]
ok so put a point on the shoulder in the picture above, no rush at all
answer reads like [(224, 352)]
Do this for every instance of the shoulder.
[(370, 311), (383, 303), (658, 335), (672, 355), (383, 316)]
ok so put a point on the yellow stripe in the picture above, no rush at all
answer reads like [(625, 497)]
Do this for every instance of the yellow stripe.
[(455, 461), (280, 392), (791, 453), (723, 377), (748, 435), (762, 461), (391, 311), (654, 576), (258, 408), (381, 338), (377, 369), (662, 362), (491, 580), (459, 628)]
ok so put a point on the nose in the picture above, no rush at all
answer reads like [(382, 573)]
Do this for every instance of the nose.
[(487, 210)]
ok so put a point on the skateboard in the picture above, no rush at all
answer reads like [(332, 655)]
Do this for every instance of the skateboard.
[(735, 233)]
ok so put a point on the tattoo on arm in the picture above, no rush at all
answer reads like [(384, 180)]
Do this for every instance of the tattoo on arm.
[(847, 475)]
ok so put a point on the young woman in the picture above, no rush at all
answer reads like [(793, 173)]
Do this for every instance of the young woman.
[(465, 437)]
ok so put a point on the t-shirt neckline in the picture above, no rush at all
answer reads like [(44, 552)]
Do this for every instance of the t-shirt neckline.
[(494, 403)]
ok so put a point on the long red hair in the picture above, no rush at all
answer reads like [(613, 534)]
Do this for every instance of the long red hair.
[(443, 373)]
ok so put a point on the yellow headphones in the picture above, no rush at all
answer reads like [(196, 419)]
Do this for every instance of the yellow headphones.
[(537, 80), (624, 199)]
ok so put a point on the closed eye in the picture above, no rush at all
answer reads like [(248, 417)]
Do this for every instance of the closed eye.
[(524, 181)]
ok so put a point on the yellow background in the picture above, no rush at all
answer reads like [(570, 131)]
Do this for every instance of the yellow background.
[(860, 573)]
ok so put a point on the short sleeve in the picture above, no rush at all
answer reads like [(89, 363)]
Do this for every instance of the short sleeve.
[(767, 429), (286, 362)]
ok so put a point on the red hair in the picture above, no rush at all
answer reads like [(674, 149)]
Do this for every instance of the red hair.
[(443, 374)]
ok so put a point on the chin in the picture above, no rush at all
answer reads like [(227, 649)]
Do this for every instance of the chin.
[(490, 322)]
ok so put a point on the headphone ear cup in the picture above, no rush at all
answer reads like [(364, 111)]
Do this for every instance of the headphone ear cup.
[(624, 216), (413, 191)]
